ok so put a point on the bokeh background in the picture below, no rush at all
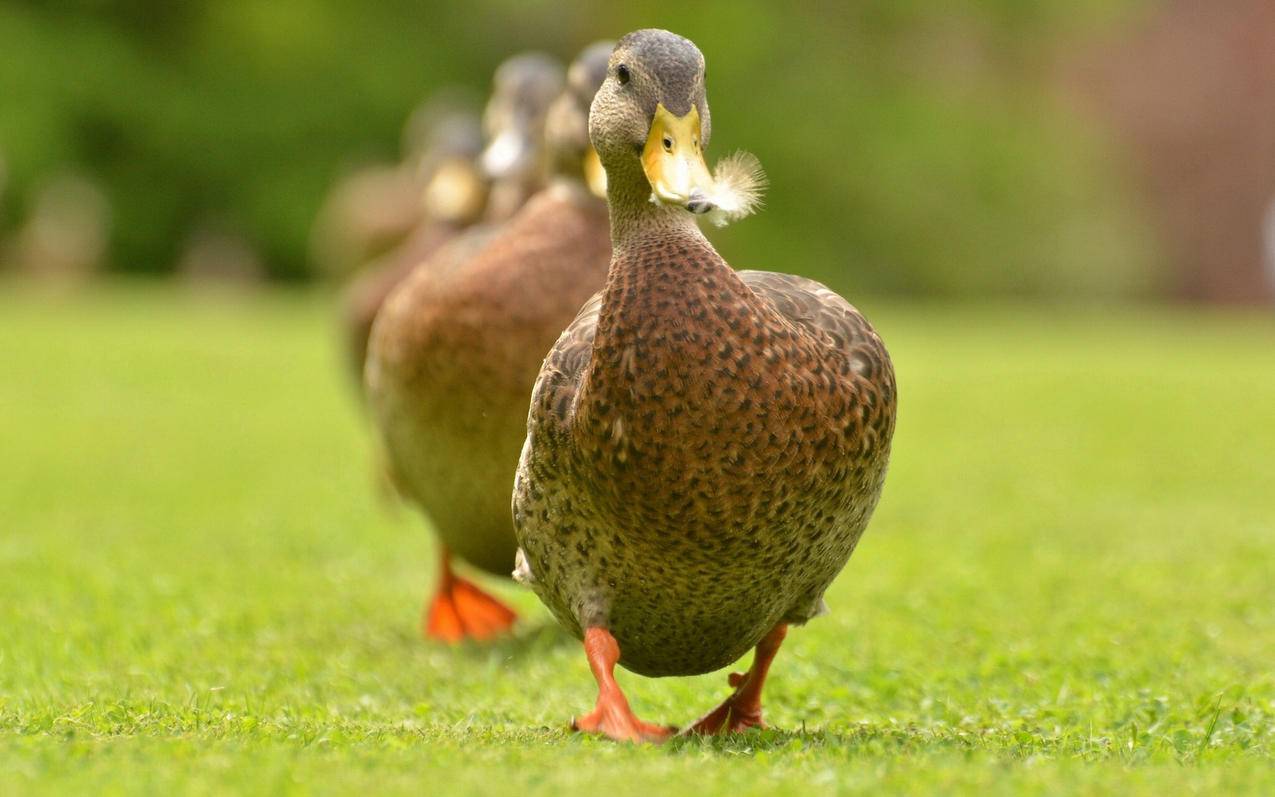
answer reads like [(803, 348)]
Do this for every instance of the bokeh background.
[(1049, 149)]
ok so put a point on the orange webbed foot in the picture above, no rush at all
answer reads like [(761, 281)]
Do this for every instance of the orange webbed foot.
[(460, 611), (617, 721), (611, 716), (736, 714), (742, 710)]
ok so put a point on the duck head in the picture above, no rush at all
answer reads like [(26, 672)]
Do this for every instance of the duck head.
[(567, 124), (522, 90), (650, 122), (454, 189)]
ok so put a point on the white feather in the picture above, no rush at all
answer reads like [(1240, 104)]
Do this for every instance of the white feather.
[(738, 183)]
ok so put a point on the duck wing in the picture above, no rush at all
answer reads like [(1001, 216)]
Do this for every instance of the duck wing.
[(548, 445), (554, 394), (821, 312)]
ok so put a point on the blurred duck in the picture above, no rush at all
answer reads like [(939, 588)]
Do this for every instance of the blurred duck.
[(65, 236), (216, 256), (514, 123), (704, 447), (456, 348), (367, 213), (452, 197), (375, 208), (460, 177)]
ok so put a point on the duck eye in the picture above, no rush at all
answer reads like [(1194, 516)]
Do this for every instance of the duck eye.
[(668, 144), (622, 74)]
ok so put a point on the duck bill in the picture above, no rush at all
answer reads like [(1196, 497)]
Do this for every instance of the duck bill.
[(455, 193), (594, 175), (674, 161)]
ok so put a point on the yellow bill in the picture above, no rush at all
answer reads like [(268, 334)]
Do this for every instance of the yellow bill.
[(673, 160), (455, 192), (594, 175)]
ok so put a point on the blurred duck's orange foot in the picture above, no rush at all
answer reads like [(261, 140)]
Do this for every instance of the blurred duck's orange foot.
[(460, 611), (742, 710), (612, 716)]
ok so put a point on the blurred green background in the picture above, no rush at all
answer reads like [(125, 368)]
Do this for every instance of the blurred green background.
[(913, 147)]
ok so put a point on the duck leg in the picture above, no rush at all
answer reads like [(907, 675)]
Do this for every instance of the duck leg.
[(742, 710), (460, 610), (612, 715)]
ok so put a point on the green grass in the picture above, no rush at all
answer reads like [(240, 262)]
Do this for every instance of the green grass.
[(1069, 586)]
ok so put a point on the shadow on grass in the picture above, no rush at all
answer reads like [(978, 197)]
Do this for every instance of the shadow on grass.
[(754, 741), (892, 740), (530, 639)]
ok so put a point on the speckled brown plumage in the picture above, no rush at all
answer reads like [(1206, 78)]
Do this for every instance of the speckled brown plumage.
[(454, 354), (704, 447), (705, 450)]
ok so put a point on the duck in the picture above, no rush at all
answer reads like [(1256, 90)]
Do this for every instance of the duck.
[(452, 199), (371, 210), (515, 159), (455, 352), (466, 184), (704, 447)]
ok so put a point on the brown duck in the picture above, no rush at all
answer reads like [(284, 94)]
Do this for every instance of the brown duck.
[(704, 447), (456, 349)]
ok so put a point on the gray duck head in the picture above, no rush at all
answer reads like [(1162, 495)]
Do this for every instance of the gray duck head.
[(651, 118)]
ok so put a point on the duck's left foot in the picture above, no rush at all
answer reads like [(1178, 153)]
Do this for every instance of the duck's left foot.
[(742, 710), (736, 714)]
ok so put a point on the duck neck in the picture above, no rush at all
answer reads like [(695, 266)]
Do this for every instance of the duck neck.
[(665, 283), (636, 221), (653, 247)]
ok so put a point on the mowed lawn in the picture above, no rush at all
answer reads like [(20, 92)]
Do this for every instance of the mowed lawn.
[(1068, 587)]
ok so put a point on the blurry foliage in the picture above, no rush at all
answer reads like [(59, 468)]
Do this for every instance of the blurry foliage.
[(912, 147)]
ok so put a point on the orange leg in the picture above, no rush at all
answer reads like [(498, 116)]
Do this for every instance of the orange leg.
[(460, 610), (612, 715), (742, 710)]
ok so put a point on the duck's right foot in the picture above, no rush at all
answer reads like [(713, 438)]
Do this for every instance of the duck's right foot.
[(612, 716)]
